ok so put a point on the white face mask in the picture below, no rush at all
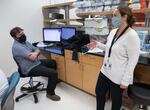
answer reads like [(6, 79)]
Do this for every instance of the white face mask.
[(116, 21)]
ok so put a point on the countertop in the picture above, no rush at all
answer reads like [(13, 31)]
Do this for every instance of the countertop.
[(144, 59)]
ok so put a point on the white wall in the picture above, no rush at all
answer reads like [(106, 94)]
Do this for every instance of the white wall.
[(24, 13)]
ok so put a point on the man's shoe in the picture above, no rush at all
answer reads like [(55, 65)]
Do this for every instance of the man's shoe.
[(53, 97)]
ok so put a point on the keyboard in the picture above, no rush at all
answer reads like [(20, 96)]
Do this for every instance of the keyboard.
[(56, 50)]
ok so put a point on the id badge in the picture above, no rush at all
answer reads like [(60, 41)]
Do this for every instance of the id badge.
[(107, 65)]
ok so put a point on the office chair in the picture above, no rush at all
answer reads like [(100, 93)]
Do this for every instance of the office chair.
[(8, 98), (29, 88), (140, 93)]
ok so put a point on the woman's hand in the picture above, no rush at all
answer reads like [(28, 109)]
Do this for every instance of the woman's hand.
[(92, 44), (123, 86)]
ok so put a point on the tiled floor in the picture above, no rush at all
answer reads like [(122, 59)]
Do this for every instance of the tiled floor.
[(71, 99)]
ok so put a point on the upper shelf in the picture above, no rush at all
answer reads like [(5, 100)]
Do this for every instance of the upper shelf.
[(63, 20), (146, 10), (110, 12), (61, 5)]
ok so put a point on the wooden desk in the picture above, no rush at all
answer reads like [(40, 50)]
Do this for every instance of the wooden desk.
[(83, 73)]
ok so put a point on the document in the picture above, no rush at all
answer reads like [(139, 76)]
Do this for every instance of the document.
[(41, 44), (95, 50)]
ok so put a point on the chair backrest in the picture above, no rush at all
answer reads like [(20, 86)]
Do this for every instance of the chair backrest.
[(19, 69), (8, 98)]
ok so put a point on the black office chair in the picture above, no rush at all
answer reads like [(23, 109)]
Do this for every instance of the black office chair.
[(29, 88), (140, 93)]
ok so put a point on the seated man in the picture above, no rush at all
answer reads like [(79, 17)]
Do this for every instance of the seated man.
[(27, 57), (3, 84)]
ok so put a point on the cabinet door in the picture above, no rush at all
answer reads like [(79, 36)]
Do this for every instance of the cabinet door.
[(74, 73), (60, 66), (90, 75), (142, 74)]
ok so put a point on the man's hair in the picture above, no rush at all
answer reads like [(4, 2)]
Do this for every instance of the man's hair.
[(14, 31)]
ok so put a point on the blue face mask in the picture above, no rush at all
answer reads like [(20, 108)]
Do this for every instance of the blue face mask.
[(116, 21)]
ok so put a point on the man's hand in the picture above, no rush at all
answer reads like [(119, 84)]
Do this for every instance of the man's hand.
[(123, 86), (33, 56)]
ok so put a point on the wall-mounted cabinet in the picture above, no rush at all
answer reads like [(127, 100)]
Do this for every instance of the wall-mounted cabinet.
[(55, 9)]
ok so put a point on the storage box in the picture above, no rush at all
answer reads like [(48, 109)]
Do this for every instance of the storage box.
[(96, 22), (53, 16), (97, 31)]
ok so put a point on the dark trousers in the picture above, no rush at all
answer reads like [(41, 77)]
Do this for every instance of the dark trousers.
[(47, 68), (103, 86)]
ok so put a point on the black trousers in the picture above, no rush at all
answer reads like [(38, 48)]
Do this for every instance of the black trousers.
[(103, 86), (47, 68)]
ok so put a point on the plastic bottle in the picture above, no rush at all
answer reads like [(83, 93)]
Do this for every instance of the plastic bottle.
[(143, 4)]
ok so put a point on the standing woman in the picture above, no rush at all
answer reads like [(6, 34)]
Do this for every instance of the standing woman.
[(121, 56)]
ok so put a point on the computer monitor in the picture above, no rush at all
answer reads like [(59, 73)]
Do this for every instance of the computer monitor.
[(51, 34), (143, 35), (68, 32)]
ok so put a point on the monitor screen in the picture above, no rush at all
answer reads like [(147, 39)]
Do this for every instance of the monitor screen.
[(68, 32), (52, 34), (143, 35)]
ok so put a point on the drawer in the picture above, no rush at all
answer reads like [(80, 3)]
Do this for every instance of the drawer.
[(92, 60), (68, 55)]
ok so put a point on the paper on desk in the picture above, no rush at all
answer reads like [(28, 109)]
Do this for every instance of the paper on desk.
[(145, 54), (40, 44), (95, 50)]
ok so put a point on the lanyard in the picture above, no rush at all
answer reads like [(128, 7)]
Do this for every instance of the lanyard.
[(115, 39)]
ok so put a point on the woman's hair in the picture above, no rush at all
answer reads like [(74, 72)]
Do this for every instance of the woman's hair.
[(14, 31), (125, 10)]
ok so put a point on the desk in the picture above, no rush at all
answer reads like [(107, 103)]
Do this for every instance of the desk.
[(83, 73)]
